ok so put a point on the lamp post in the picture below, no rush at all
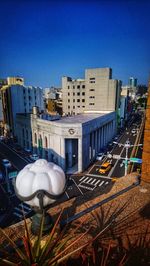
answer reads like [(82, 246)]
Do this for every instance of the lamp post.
[(127, 145), (40, 184)]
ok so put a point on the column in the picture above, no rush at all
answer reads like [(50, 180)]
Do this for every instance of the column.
[(80, 166), (62, 153)]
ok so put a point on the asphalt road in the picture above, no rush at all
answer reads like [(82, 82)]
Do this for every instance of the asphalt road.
[(77, 185)]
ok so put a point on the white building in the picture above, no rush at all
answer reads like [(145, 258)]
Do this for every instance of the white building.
[(19, 99), (97, 92), (70, 142)]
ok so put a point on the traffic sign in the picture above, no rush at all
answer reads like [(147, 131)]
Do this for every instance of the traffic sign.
[(135, 160), (116, 156)]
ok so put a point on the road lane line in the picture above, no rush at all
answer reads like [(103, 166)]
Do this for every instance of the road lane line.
[(106, 177), (78, 187)]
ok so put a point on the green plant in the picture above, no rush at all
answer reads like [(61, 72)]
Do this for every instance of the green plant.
[(52, 251)]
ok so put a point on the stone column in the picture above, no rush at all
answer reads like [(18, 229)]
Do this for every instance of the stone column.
[(80, 166), (62, 153)]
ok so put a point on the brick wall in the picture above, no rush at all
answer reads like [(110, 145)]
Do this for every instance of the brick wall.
[(146, 145)]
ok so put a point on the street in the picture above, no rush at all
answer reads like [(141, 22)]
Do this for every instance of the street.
[(77, 185)]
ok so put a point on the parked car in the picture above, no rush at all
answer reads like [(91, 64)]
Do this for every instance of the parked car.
[(6, 163), (105, 167), (100, 156), (34, 157), (133, 131), (2, 137)]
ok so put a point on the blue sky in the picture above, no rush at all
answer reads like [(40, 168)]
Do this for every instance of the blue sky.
[(45, 40)]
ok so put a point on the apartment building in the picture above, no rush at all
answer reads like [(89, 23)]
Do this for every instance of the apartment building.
[(19, 99), (97, 92)]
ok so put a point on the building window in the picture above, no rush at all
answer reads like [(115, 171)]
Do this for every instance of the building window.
[(83, 106), (68, 93), (68, 100), (92, 80), (92, 89), (68, 87), (73, 93), (92, 97), (23, 133), (83, 93), (83, 100), (78, 87), (83, 86), (78, 100), (73, 107), (73, 100), (91, 104), (78, 93), (68, 106), (78, 106), (26, 133), (73, 87)]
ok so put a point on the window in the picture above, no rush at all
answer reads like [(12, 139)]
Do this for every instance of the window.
[(83, 93), (78, 106), (91, 104), (68, 87), (73, 100), (83, 100), (26, 133), (73, 87), (92, 97), (73, 107), (78, 87), (68, 93), (68, 106), (68, 100), (78, 93), (73, 93), (83, 106), (92, 80), (92, 89), (78, 100), (83, 86)]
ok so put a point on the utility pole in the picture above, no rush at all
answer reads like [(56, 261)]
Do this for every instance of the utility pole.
[(127, 145)]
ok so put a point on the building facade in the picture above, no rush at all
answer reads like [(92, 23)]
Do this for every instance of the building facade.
[(19, 99), (97, 92), (71, 142)]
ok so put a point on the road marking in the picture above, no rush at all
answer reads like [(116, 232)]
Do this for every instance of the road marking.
[(89, 180), (97, 182), (82, 178), (88, 188), (101, 183), (78, 187), (15, 152), (105, 177), (93, 181), (67, 195)]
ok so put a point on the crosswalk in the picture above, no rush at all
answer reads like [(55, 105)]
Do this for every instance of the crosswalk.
[(20, 209), (90, 183)]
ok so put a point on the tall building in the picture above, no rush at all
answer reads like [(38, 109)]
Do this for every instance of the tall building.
[(19, 99), (132, 82), (98, 92)]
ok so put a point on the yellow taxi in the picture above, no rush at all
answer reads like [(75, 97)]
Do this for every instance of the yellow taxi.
[(105, 167)]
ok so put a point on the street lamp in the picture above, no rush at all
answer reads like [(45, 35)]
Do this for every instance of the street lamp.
[(127, 145), (40, 184)]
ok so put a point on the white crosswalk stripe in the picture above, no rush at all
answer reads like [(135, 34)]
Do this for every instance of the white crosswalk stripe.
[(101, 183), (92, 181), (82, 178), (89, 180)]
